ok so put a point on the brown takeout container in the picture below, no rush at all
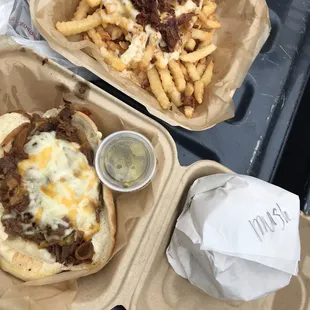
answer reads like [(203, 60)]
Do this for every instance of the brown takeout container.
[(245, 28), (138, 276)]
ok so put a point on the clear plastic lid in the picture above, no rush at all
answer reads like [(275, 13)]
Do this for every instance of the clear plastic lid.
[(125, 161)]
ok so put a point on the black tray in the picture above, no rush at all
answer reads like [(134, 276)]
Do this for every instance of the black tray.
[(269, 136)]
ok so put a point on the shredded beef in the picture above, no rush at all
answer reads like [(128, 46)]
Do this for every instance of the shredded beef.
[(7, 165), (142, 19), (150, 15), (19, 201), (12, 195), (189, 101), (55, 234), (143, 5), (26, 218), (148, 5), (66, 113), (13, 226), (165, 6), (184, 18), (197, 2), (48, 125), (145, 84), (170, 33), (151, 18), (66, 131), (66, 254), (17, 154)]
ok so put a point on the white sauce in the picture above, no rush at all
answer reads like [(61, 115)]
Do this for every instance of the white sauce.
[(121, 7), (136, 49), (138, 41), (187, 7)]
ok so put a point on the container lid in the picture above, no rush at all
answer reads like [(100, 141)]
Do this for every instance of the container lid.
[(125, 161)]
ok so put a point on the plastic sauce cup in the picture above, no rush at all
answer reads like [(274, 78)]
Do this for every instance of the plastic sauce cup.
[(125, 161)]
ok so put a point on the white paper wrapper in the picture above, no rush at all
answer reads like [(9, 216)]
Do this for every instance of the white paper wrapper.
[(237, 237)]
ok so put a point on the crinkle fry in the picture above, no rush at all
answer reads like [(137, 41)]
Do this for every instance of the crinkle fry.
[(93, 3), (189, 111), (161, 62), (201, 16), (190, 45), (201, 35), (198, 91), (198, 54), (177, 75), (212, 22), (147, 57), (112, 60), (208, 41), (189, 90), (192, 71), (77, 26), (203, 82), (157, 88), (175, 97), (209, 23), (121, 21), (201, 67), (207, 76), (81, 11), (92, 33), (184, 71), (212, 17), (209, 9), (96, 37), (114, 7), (169, 87)]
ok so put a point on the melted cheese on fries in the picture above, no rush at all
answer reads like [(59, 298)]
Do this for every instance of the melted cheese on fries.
[(187, 7), (122, 7), (61, 184), (126, 9)]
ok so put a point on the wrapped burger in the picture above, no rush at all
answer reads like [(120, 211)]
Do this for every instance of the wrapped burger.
[(237, 237)]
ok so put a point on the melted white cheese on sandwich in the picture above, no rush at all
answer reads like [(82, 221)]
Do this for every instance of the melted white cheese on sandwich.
[(61, 184)]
